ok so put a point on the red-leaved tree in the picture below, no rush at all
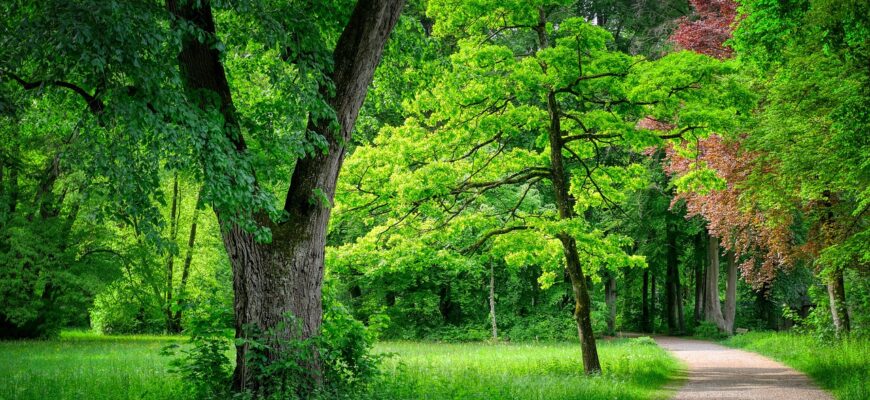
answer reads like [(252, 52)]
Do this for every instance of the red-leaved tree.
[(761, 238), (707, 30)]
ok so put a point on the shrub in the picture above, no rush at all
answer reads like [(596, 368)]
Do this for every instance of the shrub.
[(282, 366), (643, 340), (708, 330)]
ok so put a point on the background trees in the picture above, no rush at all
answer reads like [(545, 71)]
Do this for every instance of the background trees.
[(527, 141)]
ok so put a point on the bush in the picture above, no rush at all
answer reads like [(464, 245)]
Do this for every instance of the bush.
[(546, 327), (464, 333), (116, 311), (205, 362), (282, 366), (643, 340), (708, 330)]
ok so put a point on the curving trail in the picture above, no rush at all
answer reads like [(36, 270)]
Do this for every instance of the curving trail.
[(719, 372)]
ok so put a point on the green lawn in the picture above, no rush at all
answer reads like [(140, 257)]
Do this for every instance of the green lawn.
[(843, 367), (523, 371), (85, 366)]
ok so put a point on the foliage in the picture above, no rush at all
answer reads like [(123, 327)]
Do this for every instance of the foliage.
[(708, 32), (204, 363), (643, 340), (708, 330), (470, 169)]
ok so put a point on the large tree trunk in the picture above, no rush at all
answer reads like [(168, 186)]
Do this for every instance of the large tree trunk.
[(837, 298), (284, 277), (699, 278), (712, 308), (610, 300), (730, 294), (492, 302)]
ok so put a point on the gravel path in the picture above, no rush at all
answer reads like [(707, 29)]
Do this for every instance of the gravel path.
[(719, 372)]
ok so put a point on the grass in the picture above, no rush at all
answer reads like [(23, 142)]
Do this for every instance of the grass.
[(82, 365), (842, 366), (86, 366), (632, 370)]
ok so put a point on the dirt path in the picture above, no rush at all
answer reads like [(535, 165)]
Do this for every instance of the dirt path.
[(719, 372)]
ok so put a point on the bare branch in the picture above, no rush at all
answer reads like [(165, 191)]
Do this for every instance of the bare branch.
[(94, 104)]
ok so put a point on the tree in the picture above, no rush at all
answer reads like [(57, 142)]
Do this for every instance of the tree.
[(710, 28), (286, 275), (810, 59), (152, 108), (525, 112)]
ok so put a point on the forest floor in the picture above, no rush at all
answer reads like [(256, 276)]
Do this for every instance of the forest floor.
[(719, 372)]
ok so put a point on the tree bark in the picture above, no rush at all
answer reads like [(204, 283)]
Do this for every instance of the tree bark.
[(699, 278), (712, 308), (730, 294), (284, 277), (610, 300), (492, 302), (836, 285), (766, 307), (837, 298)]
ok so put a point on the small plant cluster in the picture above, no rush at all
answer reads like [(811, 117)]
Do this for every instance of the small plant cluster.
[(708, 330)]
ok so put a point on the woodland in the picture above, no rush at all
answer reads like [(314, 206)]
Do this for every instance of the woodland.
[(401, 199)]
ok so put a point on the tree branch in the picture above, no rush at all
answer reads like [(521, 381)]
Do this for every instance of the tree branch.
[(94, 104), (480, 242)]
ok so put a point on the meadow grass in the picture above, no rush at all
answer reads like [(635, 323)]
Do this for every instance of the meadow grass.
[(477, 371), (841, 366), (82, 365)]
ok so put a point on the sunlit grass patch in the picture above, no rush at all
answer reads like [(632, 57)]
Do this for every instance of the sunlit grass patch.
[(418, 370), (84, 365), (87, 366)]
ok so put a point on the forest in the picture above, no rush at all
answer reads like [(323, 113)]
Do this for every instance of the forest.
[(434, 199)]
